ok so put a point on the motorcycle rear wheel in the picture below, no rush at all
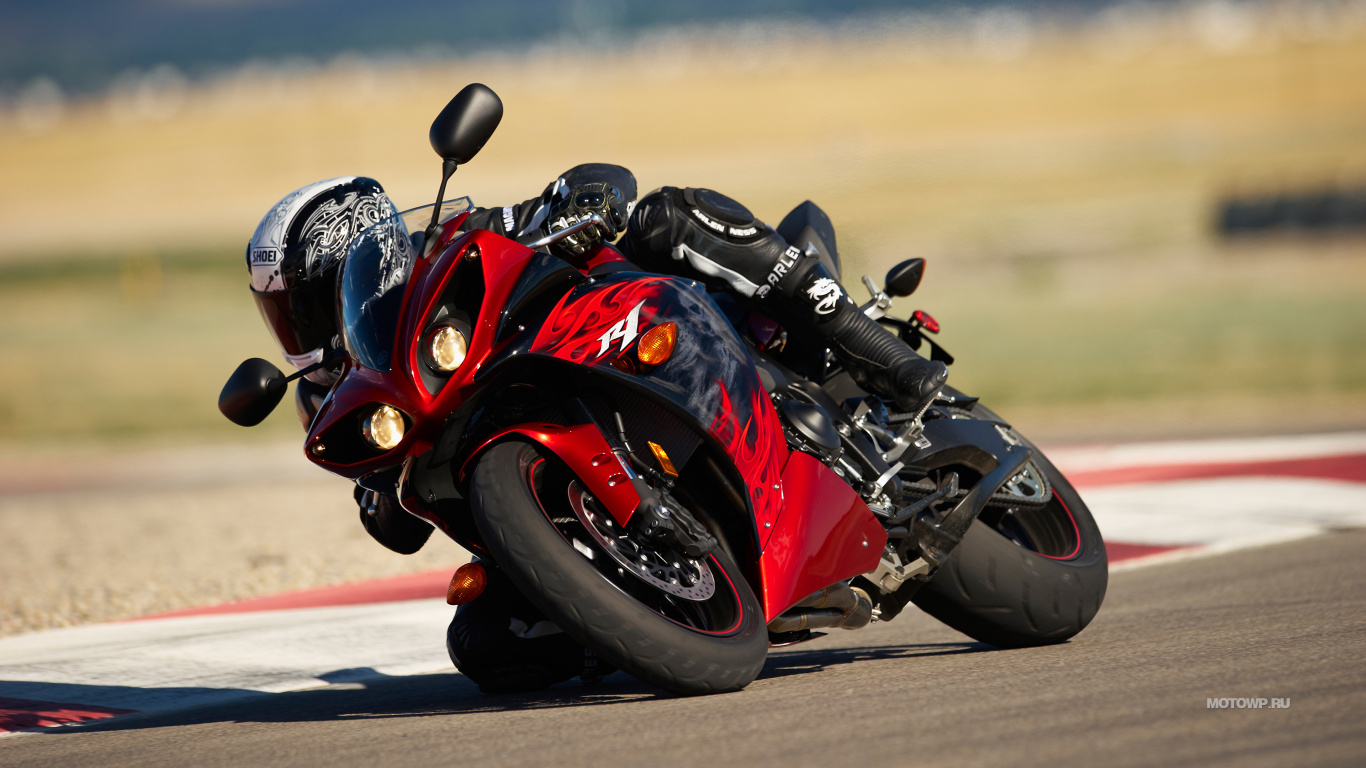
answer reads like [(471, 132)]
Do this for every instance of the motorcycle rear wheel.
[(1036, 577), (519, 497)]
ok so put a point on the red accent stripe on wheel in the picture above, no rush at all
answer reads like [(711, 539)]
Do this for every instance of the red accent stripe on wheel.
[(1076, 532), (1351, 468), (22, 714)]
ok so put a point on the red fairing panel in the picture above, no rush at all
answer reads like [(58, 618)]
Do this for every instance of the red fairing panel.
[(825, 534), (589, 457), (759, 450), (603, 254)]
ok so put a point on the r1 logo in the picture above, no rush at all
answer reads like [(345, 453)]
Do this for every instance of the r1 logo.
[(1280, 703), (625, 329)]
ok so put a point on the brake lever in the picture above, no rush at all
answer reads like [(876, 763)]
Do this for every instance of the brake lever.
[(594, 220)]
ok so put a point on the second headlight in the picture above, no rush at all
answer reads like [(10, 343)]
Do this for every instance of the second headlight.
[(446, 348)]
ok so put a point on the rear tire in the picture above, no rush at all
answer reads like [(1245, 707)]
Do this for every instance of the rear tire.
[(576, 595), (1001, 592)]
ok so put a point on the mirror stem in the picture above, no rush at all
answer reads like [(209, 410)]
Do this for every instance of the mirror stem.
[(447, 168), (302, 372)]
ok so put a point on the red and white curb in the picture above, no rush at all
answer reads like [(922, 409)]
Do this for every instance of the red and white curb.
[(1203, 497), (1155, 502)]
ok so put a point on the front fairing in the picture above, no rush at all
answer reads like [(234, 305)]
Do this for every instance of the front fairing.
[(535, 310), (484, 263)]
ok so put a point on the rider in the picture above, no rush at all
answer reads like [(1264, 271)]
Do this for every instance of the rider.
[(500, 640)]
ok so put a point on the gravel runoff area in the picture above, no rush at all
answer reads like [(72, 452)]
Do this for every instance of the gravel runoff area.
[(99, 537)]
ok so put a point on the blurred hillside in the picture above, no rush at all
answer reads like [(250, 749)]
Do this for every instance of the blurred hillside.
[(1062, 173)]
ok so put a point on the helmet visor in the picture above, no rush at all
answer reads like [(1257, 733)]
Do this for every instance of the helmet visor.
[(302, 318)]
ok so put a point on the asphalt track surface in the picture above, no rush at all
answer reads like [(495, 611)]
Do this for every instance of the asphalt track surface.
[(1286, 621)]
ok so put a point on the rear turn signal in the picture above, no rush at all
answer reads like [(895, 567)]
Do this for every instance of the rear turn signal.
[(467, 583), (657, 344), (926, 320)]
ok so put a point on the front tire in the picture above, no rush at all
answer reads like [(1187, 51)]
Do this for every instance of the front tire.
[(516, 493), (1016, 581)]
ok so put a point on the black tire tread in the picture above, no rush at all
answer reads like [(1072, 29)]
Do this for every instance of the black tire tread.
[(594, 612)]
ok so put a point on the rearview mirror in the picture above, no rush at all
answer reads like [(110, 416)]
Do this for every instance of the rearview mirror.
[(252, 392), (467, 122), (904, 278)]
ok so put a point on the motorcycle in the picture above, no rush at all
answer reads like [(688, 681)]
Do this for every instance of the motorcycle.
[(677, 485)]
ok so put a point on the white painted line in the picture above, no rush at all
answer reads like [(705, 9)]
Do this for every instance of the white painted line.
[(1225, 511), (183, 662), (1081, 458)]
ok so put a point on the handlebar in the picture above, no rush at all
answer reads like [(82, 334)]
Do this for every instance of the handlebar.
[(595, 219)]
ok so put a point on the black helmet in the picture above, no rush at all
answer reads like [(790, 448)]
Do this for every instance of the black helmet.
[(294, 256)]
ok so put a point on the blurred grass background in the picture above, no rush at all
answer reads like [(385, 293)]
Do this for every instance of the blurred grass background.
[(1062, 182)]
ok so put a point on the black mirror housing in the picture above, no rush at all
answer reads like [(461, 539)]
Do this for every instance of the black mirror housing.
[(904, 278), (466, 124), (252, 392)]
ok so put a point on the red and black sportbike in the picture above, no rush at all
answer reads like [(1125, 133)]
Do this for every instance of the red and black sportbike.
[(660, 481)]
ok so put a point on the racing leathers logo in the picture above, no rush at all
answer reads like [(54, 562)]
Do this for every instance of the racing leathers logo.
[(826, 293), (785, 263)]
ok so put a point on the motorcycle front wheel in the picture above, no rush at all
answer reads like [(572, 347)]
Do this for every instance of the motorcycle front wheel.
[(687, 626)]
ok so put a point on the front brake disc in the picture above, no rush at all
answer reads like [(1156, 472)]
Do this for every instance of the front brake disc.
[(671, 573)]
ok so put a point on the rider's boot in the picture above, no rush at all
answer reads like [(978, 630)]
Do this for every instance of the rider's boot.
[(812, 301)]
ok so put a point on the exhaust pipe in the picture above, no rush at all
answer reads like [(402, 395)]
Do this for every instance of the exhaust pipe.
[(838, 605)]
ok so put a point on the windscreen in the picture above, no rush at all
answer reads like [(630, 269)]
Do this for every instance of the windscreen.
[(374, 277)]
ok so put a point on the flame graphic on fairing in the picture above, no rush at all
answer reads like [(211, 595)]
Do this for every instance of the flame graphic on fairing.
[(575, 328), (710, 371), (758, 449)]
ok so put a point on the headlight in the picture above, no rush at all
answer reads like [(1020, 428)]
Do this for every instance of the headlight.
[(383, 428), (447, 347)]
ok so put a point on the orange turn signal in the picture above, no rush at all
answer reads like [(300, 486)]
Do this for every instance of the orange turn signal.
[(657, 344), (467, 583), (662, 457)]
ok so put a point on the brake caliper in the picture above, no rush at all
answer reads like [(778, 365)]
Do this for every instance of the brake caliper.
[(661, 520)]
